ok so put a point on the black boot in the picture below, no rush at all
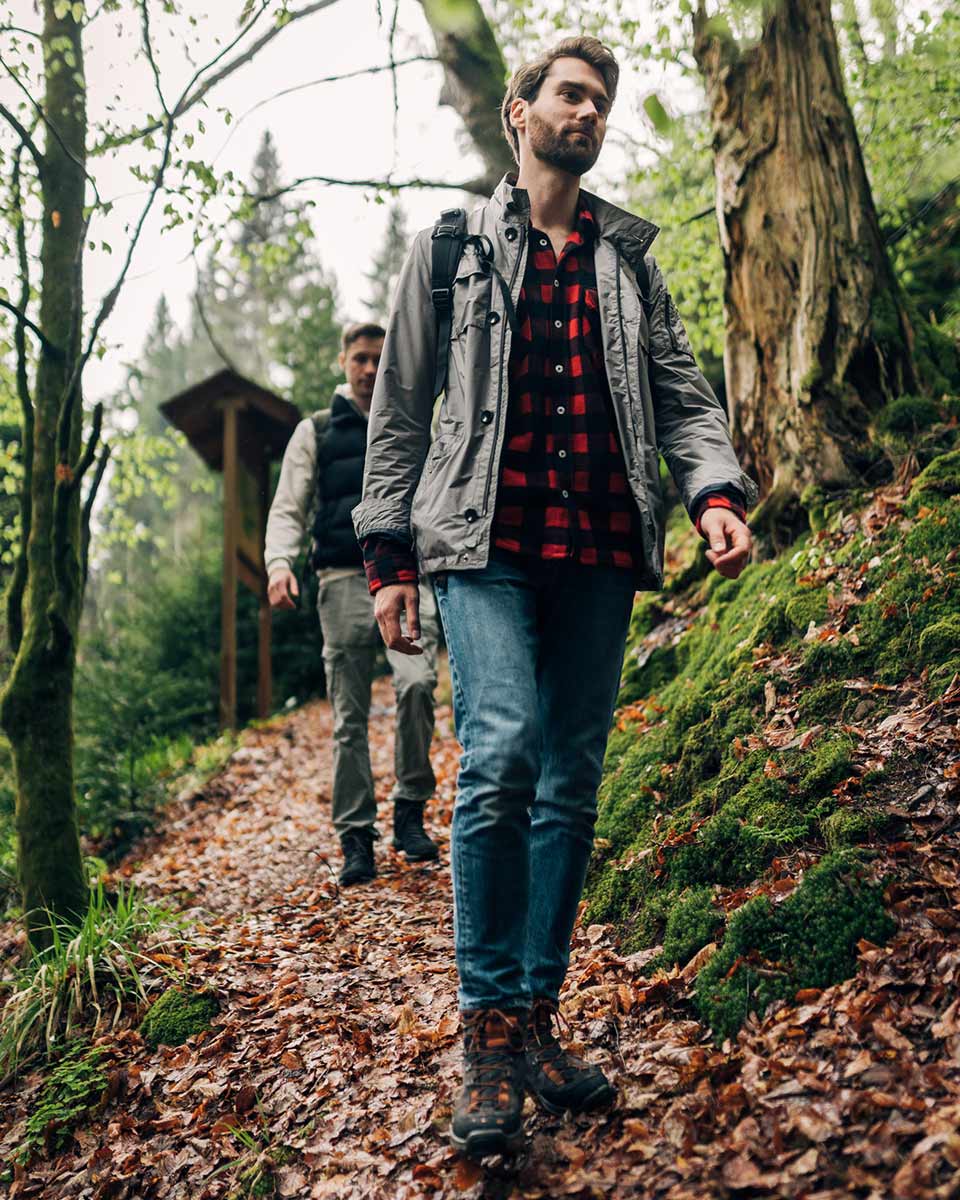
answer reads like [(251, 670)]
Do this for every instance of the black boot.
[(408, 832), (487, 1117), (559, 1080), (358, 864)]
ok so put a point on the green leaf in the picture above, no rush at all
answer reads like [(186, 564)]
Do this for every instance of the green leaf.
[(658, 115)]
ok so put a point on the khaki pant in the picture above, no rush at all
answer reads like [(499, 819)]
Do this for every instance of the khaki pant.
[(351, 639)]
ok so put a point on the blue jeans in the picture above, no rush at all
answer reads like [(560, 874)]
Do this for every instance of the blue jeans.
[(536, 649)]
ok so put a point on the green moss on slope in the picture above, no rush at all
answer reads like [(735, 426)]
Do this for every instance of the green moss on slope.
[(692, 798)]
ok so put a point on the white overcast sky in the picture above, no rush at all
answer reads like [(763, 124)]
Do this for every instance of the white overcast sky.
[(342, 129)]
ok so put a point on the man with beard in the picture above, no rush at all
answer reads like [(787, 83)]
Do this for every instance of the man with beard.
[(322, 474), (537, 511)]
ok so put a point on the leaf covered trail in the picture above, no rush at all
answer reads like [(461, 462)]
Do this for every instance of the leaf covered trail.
[(336, 1052)]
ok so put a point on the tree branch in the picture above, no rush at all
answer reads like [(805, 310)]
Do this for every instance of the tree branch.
[(477, 186), (83, 465), (53, 129), (86, 514), (38, 333), (18, 582), (24, 135), (194, 92)]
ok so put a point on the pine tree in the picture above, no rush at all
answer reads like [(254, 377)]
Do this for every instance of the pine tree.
[(387, 264)]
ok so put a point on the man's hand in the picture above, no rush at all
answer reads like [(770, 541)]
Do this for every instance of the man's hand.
[(283, 589), (729, 539), (389, 606)]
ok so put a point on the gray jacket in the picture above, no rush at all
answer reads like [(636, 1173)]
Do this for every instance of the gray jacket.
[(442, 495)]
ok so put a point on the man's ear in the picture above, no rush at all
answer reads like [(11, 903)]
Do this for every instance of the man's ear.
[(518, 114), (342, 360)]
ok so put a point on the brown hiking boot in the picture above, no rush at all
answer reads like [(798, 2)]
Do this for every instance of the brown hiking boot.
[(487, 1115), (559, 1080)]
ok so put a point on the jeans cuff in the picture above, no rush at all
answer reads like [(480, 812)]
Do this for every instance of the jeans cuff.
[(504, 1003)]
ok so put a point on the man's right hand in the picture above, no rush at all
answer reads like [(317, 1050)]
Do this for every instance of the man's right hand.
[(389, 606), (283, 589)]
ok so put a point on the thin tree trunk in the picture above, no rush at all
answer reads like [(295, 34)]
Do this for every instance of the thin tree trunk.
[(817, 336), (37, 703)]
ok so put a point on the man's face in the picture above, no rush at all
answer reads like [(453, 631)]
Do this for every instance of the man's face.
[(360, 364), (566, 123)]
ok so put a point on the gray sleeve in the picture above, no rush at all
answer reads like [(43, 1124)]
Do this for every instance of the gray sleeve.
[(398, 436), (693, 434), (287, 519)]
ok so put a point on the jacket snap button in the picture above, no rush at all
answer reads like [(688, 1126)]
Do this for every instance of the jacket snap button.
[(511, 234), (493, 318), (470, 515), (486, 417)]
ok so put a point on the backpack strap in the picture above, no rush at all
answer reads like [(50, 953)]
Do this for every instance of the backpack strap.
[(446, 247)]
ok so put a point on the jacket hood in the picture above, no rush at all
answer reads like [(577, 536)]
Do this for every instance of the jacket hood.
[(631, 232)]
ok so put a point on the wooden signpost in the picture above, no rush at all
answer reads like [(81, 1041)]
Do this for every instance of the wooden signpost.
[(239, 428)]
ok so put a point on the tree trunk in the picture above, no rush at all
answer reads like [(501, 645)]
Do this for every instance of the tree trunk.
[(817, 335), (475, 79), (37, 703)]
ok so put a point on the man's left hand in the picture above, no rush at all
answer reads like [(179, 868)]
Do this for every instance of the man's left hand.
[(729, 540)]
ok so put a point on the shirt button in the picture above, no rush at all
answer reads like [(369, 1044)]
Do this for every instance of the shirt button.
[(464, 558), (565, 495), (470, 515), (493, 318), (560, 409), (543, 241), (556, 283), (486, 417), (563, 454), (558, 324), (510, 233), (559, 368)]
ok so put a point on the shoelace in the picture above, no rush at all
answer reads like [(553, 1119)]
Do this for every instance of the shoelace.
[(487, 1065), (550, 1050)]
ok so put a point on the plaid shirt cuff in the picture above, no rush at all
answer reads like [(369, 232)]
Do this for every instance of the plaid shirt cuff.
[(387, 561), (718, 500)]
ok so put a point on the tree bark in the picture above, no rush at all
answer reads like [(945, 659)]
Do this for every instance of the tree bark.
[(475, 79), (817, 334), (37, 703)]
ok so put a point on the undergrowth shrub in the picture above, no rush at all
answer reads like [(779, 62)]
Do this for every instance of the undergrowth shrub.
[(87, 975), (73, 1087)]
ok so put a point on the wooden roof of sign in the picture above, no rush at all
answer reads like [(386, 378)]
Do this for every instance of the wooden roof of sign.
[(266, 420)]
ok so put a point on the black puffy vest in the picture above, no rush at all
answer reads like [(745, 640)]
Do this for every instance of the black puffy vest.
[(341, 446)]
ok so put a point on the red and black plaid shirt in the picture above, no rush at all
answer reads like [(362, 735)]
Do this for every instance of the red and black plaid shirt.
[(563, 490), (563, 484)]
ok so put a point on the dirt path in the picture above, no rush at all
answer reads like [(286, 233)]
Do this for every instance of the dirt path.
[(336, 1051)]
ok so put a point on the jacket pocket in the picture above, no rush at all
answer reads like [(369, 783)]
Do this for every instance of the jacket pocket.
[(471, 298), (442, 446)]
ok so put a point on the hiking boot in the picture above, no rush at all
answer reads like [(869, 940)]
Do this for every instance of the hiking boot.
[(487, 1115), (358, 864), (559, 1080), (408, 832)]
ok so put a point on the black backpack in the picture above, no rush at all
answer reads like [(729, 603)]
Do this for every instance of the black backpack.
[(447, 243)]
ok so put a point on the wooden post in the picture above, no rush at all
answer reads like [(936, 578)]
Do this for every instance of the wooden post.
[(264, 673), (228, 608)]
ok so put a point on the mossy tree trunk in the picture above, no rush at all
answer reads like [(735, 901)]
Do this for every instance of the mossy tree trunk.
[(817, 334), (44, 600)]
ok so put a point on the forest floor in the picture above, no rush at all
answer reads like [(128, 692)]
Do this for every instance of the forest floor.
[(332, 1066)]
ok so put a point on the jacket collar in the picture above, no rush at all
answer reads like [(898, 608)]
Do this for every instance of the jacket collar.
[(344, 401), (630, 232)]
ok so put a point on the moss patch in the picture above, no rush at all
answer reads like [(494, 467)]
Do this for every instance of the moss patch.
[(808, 941), (178, 1015)]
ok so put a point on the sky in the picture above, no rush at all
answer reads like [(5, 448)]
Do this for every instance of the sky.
[(343, 129)]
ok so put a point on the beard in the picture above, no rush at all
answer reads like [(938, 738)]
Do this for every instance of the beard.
[(560, 148)]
